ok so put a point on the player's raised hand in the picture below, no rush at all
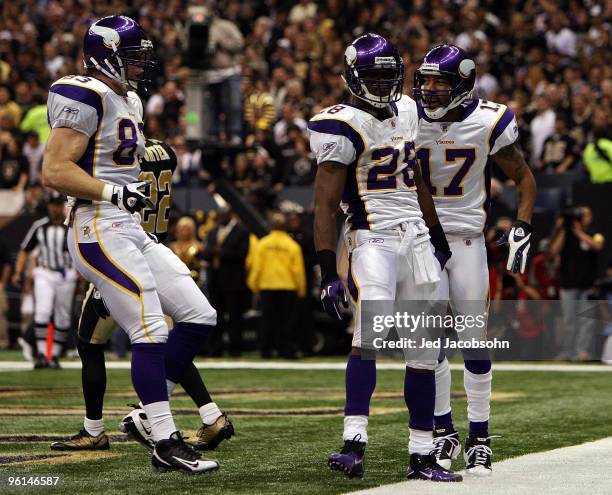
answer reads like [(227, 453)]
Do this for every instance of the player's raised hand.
[(133, 197), (519, 240)]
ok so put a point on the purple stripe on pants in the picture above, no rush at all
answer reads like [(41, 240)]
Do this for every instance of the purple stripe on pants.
[(94, 256)]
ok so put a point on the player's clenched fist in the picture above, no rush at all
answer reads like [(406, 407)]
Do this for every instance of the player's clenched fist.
[(131, 198)]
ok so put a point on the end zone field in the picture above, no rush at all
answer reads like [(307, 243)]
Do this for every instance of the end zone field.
[(287, 421)]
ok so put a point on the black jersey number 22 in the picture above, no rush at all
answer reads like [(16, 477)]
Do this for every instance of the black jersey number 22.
[(156, 221)]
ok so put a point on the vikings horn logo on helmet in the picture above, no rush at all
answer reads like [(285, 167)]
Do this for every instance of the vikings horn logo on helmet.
[(110, 37)]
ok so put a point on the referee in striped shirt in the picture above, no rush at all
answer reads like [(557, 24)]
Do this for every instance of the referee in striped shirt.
[(54, 279)]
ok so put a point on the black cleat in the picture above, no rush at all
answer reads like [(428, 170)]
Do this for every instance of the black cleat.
[(447, 446), (41, 363), (174, 454), (350, 460), (477, 455), (54, 363)]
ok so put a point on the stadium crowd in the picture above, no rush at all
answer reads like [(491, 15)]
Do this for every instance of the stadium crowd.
[(274, 64)]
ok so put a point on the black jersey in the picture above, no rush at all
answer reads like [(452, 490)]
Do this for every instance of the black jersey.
[(157, 167)]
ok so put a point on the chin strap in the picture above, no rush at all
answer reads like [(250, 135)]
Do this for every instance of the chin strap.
[(442, 111), (111, 71)]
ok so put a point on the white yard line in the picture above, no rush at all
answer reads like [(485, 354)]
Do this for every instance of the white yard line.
[(579, 469), (278, 365)]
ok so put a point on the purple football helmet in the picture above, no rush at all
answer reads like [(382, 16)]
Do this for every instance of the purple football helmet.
[(452, 63), (374, 70), (113, 44)]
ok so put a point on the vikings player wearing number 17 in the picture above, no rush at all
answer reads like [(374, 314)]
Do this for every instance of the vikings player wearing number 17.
[(92, 155), (457, 136), (365, 152)]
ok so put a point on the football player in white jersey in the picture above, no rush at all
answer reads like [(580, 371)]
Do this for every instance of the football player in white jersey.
[(365, 152), (457, 137), (92, 155)]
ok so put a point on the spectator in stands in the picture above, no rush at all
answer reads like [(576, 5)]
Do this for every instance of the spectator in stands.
[(277, 275), (598, 153), (35, 119), (559, 37), (305, 9), (578, 246), (187, 247), (8, 107), (225, 97), (13, 175), (259, 108), (545, 272), (542, 126), (559, 153), (5, 274), (289, 118), (33, 150), (226, 249), (166, 105)]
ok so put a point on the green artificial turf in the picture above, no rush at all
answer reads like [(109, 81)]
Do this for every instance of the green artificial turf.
[(287, 422)]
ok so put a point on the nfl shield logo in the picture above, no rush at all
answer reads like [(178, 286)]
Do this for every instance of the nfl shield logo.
[(393, 124), (444, 127)]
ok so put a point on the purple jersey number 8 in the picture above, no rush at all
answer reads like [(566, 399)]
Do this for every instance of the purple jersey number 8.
[(128, 141)]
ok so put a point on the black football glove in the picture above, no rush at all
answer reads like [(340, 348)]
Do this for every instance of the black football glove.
[(442, 250), (133, 197), (519, 240)]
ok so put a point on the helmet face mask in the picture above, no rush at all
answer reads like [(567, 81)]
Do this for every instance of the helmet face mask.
[(438, 94), (118, 47), (444, 63), (373, 70)]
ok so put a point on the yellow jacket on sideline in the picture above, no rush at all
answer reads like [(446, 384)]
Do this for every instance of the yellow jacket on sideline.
[(277, 263)]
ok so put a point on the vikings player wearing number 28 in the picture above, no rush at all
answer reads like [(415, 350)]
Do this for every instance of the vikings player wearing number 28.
[(366, 163), (457, 136), (93, 155)]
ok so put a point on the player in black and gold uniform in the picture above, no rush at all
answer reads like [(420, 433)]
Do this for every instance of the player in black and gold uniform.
[(96, 327)]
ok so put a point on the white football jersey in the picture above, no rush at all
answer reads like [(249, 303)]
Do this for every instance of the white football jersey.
[(454, 156), (380, 191), (112, 122)]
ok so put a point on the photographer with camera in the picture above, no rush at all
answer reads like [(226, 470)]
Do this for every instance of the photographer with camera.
[(578, 246)]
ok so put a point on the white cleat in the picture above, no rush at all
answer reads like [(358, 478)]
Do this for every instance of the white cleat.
[(137, 426)]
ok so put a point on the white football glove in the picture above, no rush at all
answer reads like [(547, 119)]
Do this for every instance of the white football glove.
[(131, 198), (519, 240)]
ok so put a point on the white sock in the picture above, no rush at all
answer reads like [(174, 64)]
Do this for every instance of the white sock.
[(420, 441), (56, 350), (41, 347), (355, 425), (478, 390), (170, 386), (443, 388), (210, 413), (160, 417), (94, 427)]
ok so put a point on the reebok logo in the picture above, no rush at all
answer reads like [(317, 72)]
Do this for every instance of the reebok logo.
[(329, 146), (377, 240), (70, 110)]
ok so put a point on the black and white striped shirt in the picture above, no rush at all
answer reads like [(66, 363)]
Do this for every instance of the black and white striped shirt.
[(50, 240)]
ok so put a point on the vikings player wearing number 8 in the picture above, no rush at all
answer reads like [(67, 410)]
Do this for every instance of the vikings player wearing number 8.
[(365, 152), (457, 136), (92, 155)]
